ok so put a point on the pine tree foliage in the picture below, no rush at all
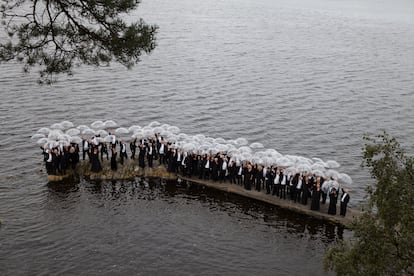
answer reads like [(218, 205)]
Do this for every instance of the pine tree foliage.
[(56, 35), (383, 242)]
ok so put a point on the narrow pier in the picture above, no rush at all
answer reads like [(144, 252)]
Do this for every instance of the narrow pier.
[(130, 170)]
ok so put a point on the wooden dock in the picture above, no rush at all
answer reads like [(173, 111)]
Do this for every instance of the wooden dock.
[(130, 170)]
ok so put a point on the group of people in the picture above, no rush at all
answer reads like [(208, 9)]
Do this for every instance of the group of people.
[(277, 181)]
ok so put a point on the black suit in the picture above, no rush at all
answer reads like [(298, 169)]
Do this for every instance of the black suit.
[(344, 202)]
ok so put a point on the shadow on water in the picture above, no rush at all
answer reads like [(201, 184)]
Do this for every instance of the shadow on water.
[(172, 191)]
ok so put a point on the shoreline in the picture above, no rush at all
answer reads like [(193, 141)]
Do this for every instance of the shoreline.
[(130, 171)]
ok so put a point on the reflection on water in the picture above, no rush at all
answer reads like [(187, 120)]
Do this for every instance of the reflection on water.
[(150, 218)]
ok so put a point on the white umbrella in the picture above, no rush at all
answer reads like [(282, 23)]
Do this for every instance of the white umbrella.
[(332, 174), (244, 149), (303, 168), (174, 129), (256, 145), (42, 141), (98, 125), (109, 138), (73, 131), (284, 162), (158, 129), (133, 128), (37, 136), (318, 166), (57, 126), (102, 133), (121, 130), (110, 124), (82, 127), (332, 164), (44, 130), (54, 134), (76, 140), (67, 124), (319, 173), (345, 179), (88, 131), (241, 142), (154, 124)]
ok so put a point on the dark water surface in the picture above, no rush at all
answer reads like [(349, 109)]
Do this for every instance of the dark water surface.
[(304, 77)]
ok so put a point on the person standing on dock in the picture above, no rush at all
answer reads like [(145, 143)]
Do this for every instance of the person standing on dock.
[(114, 165), (85, 147), (248, 177), (344, 202), (333, 198)]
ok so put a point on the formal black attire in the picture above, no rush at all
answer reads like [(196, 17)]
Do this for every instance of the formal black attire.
[(344, 202)]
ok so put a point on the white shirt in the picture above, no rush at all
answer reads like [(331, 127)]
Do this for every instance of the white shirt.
[(343, 197), (207, 166), (162, 149), (224, 166), (299, 186), (276, 181)]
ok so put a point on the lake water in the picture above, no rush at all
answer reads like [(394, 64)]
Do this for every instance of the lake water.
[(303, 77)]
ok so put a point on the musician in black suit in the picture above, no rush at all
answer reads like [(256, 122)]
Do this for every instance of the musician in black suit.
[(150, 154), (133, 148), (344, 201), (85, 147)]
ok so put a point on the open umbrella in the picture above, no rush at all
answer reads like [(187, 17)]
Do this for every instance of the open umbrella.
[(44, 130), (154, 124), (332, 174), (42, 141), (67, 124), (332, 164), (256, 145), (76, 140), (133, 128), (37, 136), (174, 129), (241, 142), (121, 130), (73, 131), (110, 124), (82, 127), (88, 131), (98, 125), (57, 126), (345, 179)]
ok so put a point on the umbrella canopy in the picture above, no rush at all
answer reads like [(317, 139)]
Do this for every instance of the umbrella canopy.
[(57, 126), (332, 164), (44, 130), (42, 141), (174, 129), (332, 174), (88, 131), (345, 179), (303, 168), (241, 142), (284, 162), (82, 127), (121, 130), (76, 140), (110, 138), (73, 131), (67, 124), (37, 136), (133, 128), (110, 123), (98, 125), (154, 124), (256, 145), (102, 133)]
